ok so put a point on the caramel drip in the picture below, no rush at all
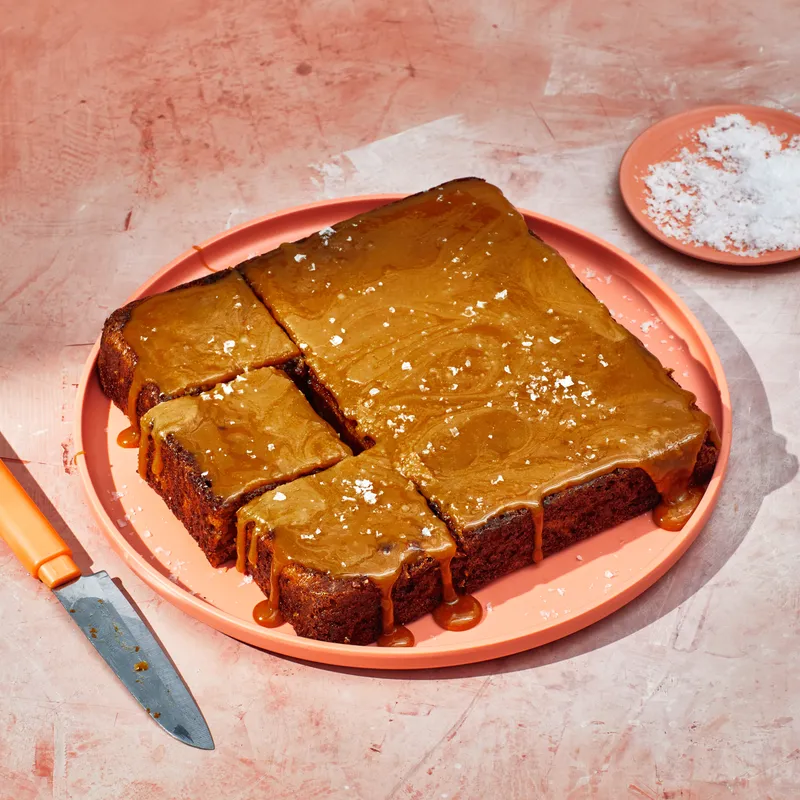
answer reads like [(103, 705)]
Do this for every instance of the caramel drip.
[(267, 616), (267, 613), (392, 635), (201, 253), (242, 556), (249, 558), (456, 612), (256, 431), (673, 514), (469, 351), (128, 437), (199, 335), (398, 636)]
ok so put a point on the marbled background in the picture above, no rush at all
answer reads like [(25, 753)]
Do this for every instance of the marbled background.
[(129, 131)]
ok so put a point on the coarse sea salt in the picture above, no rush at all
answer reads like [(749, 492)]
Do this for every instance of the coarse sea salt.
[(738, 192)]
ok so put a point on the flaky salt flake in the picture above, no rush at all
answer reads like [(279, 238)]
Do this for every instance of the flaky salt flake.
[(373, 391), (300, 257), (646, 326), (554, 340), (501, 295), (406, 365), (498, 479), (336, 340), (279, 496)]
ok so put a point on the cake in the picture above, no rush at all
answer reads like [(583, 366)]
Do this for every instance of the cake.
[(456, 353)]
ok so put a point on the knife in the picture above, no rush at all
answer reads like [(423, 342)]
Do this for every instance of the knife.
[(106, 618)]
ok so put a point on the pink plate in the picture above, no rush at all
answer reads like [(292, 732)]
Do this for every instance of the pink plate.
[(663, 141), (536, 605)]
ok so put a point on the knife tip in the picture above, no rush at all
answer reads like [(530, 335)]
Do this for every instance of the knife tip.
[(202, 740), (203, 745)]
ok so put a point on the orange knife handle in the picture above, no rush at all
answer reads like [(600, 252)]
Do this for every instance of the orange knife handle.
[(31, 537)]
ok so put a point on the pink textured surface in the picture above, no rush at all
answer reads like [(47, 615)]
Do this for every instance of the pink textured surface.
[(130, 133)]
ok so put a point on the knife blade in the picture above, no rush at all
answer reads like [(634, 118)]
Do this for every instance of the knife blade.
[(119, 635), (105, 616)]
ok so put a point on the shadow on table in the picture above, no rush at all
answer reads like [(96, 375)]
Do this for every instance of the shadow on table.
[(758, 466)]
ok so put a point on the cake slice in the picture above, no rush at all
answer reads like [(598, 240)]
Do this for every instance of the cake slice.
[(186, 340), (349, 554), (208, 454)]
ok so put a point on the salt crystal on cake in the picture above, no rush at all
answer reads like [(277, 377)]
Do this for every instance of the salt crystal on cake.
[(738, 193)]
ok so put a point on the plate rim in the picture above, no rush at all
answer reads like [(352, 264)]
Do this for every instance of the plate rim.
[(342, 655), (703, 252)]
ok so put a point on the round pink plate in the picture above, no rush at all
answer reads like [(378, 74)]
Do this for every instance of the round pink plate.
[(536, 605)]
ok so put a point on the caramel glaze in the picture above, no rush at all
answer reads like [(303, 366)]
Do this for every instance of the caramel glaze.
[(482, 367), (200, 335), (359, 518), (255, 431)]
